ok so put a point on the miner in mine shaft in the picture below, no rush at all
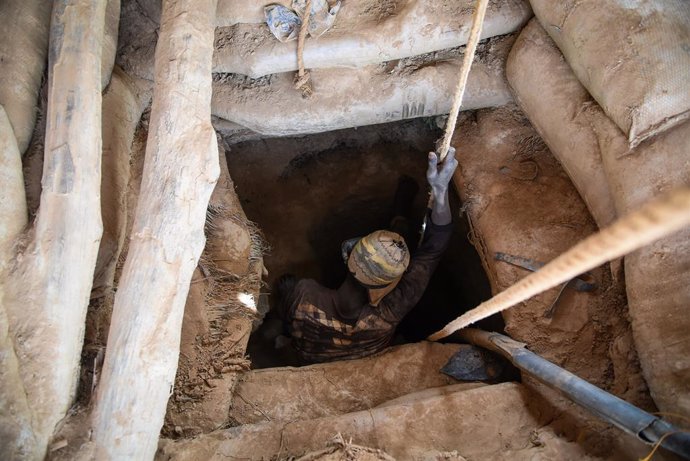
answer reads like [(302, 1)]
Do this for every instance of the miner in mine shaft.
[(384, 282)]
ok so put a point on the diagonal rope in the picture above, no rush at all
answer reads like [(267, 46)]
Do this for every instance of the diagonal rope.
[(651, 222)]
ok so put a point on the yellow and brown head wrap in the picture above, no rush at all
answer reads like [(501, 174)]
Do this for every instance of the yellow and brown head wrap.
[(378, 261)]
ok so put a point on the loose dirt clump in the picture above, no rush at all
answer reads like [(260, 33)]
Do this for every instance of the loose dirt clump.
[(138, 35), (489, 52), (251, 88), (245, 38), (380, 10), (211, 353)]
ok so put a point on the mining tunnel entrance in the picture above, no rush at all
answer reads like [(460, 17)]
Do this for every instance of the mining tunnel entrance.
[(138, 269), (133, 276), (328, 187)]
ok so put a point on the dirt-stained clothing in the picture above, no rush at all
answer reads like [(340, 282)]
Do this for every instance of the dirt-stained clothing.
[(340, 324)]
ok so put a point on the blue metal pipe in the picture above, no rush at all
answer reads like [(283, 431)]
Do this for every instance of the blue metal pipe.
[(646, 427)]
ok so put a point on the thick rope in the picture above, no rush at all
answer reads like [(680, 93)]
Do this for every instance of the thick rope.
[(470, 50), (652, 222), (303, 78)]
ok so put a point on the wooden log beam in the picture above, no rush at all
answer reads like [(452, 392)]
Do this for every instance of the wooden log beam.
[(48, 281), (180, 172)]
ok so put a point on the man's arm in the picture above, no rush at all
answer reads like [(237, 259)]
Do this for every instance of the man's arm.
[(439, 179), (437, 236)]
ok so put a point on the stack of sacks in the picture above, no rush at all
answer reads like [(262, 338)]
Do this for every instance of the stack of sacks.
[(623, 149), (633, 56)]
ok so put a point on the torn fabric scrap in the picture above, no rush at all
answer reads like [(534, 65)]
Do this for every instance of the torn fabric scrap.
[(285, 23), (322, 15)]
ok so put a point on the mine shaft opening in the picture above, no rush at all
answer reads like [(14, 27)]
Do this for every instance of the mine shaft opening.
[(308, 194)]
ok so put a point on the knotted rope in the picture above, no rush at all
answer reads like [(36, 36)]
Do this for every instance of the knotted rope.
[(303, 78)]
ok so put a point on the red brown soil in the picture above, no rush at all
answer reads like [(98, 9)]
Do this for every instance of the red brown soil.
[(521, 202)]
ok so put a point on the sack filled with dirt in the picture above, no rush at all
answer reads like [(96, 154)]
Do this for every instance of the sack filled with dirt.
[(656, 276), (520, 202), (23, 60), (557, 105), (632, 56)]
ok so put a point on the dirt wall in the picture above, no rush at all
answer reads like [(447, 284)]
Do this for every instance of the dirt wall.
[(521, 202), (608, 173), (218, 316)]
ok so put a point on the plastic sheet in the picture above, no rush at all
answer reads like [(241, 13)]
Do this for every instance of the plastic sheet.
[(285, 23)]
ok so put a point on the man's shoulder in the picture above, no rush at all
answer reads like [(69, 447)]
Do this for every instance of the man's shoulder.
[(309, 284), (310, 289)]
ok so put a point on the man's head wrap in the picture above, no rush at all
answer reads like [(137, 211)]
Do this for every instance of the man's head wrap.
[(378, 261)]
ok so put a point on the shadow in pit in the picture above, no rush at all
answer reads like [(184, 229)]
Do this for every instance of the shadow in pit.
[(310, 194)]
